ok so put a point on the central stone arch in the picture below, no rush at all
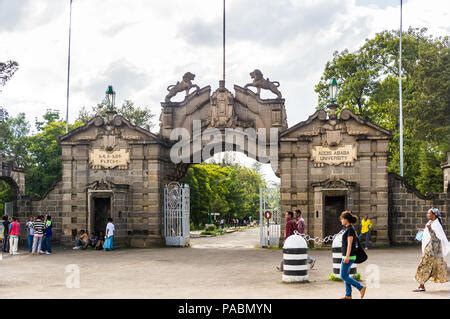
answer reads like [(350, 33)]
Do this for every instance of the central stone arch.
[(222, 121)]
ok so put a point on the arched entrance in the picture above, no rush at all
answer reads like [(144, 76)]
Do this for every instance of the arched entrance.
[(12, 185), (207, 123)]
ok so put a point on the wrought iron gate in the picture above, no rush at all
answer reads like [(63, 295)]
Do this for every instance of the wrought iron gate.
[(270, 229), (176, 214)]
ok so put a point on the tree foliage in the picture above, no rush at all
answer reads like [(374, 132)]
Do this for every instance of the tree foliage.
[(368, 81), (231, 191), (139, 116), (7, 70), (39, 153)]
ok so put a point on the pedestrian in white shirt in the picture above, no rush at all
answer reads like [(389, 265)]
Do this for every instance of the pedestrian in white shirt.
[(110, 228)]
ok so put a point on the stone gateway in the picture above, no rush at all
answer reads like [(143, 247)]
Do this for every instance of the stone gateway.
[(326, 164)]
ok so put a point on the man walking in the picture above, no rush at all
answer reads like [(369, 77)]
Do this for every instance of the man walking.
[(301, 230)]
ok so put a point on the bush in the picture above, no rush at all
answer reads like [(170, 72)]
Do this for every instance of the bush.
[(333, 277), (211, 228)]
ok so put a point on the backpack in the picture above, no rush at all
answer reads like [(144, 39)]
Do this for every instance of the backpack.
[(361, 255)]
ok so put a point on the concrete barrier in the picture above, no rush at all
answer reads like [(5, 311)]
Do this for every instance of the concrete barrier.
[(295, 259), (336, 248)]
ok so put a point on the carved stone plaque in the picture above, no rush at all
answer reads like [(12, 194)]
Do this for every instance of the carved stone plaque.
[(101, 159), (345, 154)]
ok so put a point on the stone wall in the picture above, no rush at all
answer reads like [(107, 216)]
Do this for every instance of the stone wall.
[(363, 182), (408, 208)]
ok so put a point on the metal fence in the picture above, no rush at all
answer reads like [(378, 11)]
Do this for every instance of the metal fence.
[(270, 229), (176, 214)]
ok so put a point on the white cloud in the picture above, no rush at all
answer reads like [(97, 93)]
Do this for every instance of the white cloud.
[(141, 47)]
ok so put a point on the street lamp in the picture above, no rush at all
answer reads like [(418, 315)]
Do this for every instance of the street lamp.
[(333, 87), (110, 98)]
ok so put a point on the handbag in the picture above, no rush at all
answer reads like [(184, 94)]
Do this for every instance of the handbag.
[(419, 235), (361, 255)]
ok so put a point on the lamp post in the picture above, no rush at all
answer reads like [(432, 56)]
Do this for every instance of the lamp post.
[(110, 98), (333, 89)]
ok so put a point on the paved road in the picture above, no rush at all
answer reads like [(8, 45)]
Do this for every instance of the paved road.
[(248, 239), (234, 271)]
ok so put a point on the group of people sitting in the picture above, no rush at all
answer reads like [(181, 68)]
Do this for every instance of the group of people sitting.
[(94, 241), (97, 240)]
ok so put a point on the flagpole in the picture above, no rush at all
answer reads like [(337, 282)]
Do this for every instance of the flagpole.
[(223, 43), (400, 89), (68, 69)]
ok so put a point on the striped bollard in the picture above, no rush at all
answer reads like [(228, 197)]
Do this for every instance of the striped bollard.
[(295, 259), (337, 257)]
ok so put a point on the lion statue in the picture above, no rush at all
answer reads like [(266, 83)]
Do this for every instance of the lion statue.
[(260, 83), (185, 85)]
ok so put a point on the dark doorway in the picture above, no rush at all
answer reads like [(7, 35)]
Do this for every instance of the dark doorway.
[(334, 206), (102, 210)]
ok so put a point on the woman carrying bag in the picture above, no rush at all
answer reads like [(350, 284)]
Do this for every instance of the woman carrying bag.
[(351, 252), (435, 247)]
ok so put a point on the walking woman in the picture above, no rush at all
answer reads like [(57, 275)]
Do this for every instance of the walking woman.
[(349, 240), (435, 247)]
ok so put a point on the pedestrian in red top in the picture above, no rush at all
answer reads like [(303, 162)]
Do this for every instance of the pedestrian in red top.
[(291, 226), (14, 232)]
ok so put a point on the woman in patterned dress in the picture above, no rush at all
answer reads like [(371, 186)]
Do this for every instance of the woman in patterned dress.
[(435, 247)]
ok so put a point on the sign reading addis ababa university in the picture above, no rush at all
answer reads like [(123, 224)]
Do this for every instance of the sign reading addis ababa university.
[(345, 154), (99, 159)]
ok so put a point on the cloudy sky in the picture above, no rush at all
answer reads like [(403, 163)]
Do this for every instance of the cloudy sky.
[(142, 46)]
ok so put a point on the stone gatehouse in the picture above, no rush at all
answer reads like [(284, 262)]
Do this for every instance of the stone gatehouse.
[(327, 163)]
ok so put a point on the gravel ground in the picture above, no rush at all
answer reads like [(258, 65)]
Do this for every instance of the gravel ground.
[(229, 266)]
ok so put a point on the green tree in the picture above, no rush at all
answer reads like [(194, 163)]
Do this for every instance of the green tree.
[(7, 70), (14, 138), (45, 167), (368, 81), (230, 190), (139, 116)]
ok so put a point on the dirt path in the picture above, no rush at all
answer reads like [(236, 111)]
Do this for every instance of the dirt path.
[(223, 267)]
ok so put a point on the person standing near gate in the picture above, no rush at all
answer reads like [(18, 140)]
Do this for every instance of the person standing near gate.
[(291, 226), (366, 228), (5, 242), (301, 230), (47, 240), (110, 228), (39, 228), (30, 233), (14, 232)]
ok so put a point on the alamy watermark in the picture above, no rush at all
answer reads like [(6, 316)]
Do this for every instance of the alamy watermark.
[(73, 276)]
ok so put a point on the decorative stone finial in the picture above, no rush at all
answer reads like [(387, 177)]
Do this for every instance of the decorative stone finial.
[(260, 83), (185, 85)]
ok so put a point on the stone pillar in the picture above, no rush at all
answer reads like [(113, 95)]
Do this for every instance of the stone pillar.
[(69, 219), (318, 217)]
